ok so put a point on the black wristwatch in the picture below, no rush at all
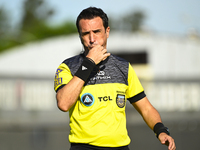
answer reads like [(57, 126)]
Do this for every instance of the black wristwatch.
[(160, 128)]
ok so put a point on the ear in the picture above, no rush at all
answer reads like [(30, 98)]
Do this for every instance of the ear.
[(107, 31)]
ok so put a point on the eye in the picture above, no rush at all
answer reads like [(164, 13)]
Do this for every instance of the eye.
[(97, 31), (84, 33)]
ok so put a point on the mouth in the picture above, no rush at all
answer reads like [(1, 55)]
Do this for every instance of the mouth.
[(92, 45)]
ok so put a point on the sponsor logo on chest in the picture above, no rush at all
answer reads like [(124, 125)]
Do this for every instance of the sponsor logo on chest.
[(101, 75), (88, 99)]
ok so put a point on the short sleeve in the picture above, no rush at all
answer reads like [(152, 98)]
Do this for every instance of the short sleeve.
[(62, 77), (135, 90)]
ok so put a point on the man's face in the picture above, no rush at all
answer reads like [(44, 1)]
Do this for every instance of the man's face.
[(92, 32)]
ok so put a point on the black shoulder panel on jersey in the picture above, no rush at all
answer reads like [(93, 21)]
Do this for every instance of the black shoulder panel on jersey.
[(112, 70), (118, 69)]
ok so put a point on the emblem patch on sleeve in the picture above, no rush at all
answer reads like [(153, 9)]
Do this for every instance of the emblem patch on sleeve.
[(87, 99), (57, 80), (120, 100)]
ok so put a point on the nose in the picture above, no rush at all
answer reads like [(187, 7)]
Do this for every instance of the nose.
[(92, 37)]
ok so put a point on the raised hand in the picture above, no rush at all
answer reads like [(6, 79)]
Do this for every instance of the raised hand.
[(98, 53)]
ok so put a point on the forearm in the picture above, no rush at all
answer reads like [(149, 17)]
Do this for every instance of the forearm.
[(151, 117), (148, 112), (68, 95)]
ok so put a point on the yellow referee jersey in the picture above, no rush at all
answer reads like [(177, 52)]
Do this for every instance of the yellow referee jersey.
[(98, 117)]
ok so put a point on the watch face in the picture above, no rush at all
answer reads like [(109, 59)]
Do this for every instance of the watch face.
[(167, 130)]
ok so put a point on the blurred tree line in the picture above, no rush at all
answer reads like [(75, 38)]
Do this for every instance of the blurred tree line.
[(34, 24)]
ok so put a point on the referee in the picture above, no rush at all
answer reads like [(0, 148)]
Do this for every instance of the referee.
[(94, 87)]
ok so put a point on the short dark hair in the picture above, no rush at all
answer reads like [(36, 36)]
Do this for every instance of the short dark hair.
[(91, 13)]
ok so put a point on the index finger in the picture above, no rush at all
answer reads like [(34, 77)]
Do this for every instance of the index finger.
[(171, 144)]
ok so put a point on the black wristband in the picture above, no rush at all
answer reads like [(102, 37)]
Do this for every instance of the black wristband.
[(91, 60), (85, 69), (159, 128)]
